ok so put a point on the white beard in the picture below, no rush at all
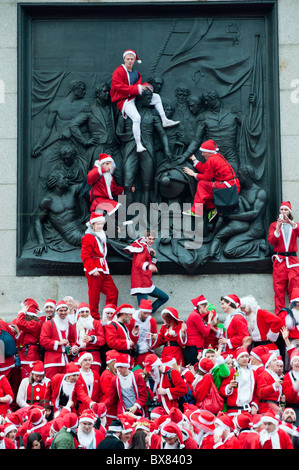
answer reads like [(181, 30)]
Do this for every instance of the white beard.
[(272, 436), (86, 323), (68, 388), (62, 325), (86, 439), (251, 322)]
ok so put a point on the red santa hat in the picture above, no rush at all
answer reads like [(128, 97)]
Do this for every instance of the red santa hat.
[(70, 421), (199, 300), (14, 418), (111, 355), (57, 424), (96, 217), (130, 51), (50, 303), (31, 303), (84, 355), (172, 312), (146, 305), (168, 361), (87, 415), (71, 369), (157, 412), (206, 365), (295, 295), (226, 356), (37, 368), (109, 308), (124, 308), (267, 358), (176, 416), (103, 158), (61, 304), (270, 417), (256, 421), (36, 416), (33, 309), (203, 420), (224, 421), (233, 298), (123, 360), (151, 361), (172, 430), (241, 352), (209, 146), (280, 360), (243, 420), (258, 352), (286, 205), (7, 427), (83, 306), (100, 410)]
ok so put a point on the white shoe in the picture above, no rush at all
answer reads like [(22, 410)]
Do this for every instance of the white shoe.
[(170, 123), (140, 148)]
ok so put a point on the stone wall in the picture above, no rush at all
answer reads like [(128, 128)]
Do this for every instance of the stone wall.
[(13, 289)]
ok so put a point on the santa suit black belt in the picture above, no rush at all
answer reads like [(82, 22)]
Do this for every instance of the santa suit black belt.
[(286, 253), (245, 407), (171, 343)]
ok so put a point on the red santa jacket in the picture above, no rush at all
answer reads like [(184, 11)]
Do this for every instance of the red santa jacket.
[(121, 90), (287, 321), (119, 335), (28, 339), (268, 394), (92, 347), (54, 390), (216, 168), (289, 389), (197, 330), (115, 397), (249, 439), (236, 331), (55, 355), (277, 440), (85, 394), (267, 328), (231, 442), (284, 243), (141, 276), (173, 344), (5, 389), (176, 387), (93, 254), (104, 185), (234, 397), (105, 382)]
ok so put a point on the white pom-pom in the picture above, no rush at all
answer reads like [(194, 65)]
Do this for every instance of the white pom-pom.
[(139, 61)]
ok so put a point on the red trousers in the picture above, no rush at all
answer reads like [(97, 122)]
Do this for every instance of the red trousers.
[(97, 285), (284, 281), (204, 195)]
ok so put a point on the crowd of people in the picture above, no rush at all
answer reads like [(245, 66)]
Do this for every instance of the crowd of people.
[(75, 377), (72, 381)]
